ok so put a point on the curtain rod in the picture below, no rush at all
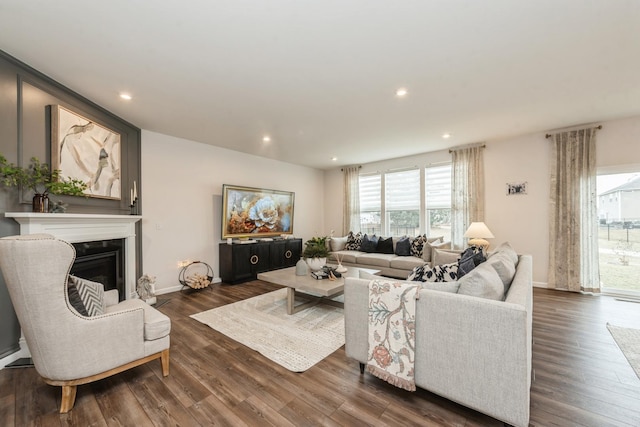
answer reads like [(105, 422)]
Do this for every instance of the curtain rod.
[(549, 135), (470, 146), (342, 169)]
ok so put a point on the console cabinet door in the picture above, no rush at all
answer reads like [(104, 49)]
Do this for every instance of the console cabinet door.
[(243, 262)]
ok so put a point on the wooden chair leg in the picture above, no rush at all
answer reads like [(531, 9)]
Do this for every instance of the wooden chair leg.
[(362, 368), (68, 398), (164, 358)]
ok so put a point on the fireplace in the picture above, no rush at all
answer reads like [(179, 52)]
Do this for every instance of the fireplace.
[(78, 229), (103, 262)]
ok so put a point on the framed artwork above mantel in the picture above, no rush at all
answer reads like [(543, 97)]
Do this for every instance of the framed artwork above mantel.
[(85, 150)]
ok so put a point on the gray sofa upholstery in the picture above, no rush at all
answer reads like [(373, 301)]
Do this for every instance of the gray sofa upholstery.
[(471, 350), (390, 265)]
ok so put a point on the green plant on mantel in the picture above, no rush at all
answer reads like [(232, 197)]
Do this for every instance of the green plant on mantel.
[(316, 247), (39, 178)]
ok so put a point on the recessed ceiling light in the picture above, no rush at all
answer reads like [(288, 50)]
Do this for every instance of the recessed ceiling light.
[(446, 135), (125, 96), (401, 93), (266, 138), (334, 158)]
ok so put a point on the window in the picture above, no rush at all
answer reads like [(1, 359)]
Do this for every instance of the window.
[(438, 201), (370, 204), (392, 203), (402, 203)]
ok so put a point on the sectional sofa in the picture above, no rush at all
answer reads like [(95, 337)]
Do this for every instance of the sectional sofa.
[(473, 341), (397, 264)]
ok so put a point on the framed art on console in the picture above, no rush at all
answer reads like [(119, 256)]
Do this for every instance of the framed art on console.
[(85, 150), (256, 212)]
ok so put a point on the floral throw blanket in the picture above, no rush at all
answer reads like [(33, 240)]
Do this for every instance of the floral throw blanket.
[(392, 314)]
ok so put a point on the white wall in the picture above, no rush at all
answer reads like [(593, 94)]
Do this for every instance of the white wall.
[(182, 195), (523, 220)]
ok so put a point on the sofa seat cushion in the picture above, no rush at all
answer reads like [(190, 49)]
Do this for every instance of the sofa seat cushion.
[(156, 324), (483, 282), (406, 262), (379, 260), (346, 256)]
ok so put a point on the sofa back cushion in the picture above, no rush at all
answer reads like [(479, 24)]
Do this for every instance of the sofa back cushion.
[(483, 282)]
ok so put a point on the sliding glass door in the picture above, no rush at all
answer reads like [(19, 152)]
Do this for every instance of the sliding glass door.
[(619, 233)]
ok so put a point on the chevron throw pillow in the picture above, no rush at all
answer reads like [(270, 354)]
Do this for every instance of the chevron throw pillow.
[(91, 294)]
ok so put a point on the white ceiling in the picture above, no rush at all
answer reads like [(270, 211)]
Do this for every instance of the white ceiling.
[(320, 77)]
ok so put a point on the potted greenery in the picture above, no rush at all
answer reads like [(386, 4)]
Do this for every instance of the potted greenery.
[(41, 180), (316, 252)]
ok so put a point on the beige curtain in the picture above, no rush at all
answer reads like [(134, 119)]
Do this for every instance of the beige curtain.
[(573, 231), (467, 191), (351, 204)]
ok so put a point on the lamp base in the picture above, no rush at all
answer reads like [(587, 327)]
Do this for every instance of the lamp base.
[(484, 244)]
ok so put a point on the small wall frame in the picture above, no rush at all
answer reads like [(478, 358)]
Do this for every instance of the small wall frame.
[(516, 188)]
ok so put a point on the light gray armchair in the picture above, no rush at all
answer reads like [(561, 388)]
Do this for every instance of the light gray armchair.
[(67, 348)]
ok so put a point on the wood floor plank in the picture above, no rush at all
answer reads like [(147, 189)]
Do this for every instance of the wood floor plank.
[(580, 378)]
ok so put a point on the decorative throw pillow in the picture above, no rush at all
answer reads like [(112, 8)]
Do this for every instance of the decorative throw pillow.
[(91, 294), (403, 247), (439, 273), (385, 246), (75, 300), (369, 243), (354, 241), (470, 259), (337, 243), (429, 244), (417, 245), (417, 273), (442, 273)]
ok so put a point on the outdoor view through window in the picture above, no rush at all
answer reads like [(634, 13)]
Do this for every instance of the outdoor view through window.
[(619, 232)]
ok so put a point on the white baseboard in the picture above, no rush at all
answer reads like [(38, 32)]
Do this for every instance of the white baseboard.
[(23, 352), (541, 285)]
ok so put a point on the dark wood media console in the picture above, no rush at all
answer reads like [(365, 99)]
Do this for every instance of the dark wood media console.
[(241, 262)]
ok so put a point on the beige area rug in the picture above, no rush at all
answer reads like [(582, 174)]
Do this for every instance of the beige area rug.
[(296, 342), (628, 340)]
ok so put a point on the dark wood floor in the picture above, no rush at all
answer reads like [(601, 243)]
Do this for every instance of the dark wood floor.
[(580, 379)]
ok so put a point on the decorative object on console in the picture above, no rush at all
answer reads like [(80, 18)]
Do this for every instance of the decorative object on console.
[(478, 232), (87, 151), (196, 280), (146, 288), (256, 212)]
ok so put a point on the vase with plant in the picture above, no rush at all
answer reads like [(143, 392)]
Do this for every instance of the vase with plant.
[(316, 252), (40, 179)]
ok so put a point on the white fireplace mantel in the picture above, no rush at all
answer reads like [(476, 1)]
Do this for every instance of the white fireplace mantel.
[(77, 228)]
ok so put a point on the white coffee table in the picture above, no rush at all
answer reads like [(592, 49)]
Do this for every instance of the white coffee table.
[(306, 287)]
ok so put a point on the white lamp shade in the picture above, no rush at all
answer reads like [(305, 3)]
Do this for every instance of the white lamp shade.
[(479, 230)]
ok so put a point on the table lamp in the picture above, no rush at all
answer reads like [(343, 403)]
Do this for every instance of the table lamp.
[(477, 233)]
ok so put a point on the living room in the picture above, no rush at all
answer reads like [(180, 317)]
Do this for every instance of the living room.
[(180, 179)]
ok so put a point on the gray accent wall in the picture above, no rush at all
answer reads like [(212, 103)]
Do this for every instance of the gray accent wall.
[(25, 128)]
